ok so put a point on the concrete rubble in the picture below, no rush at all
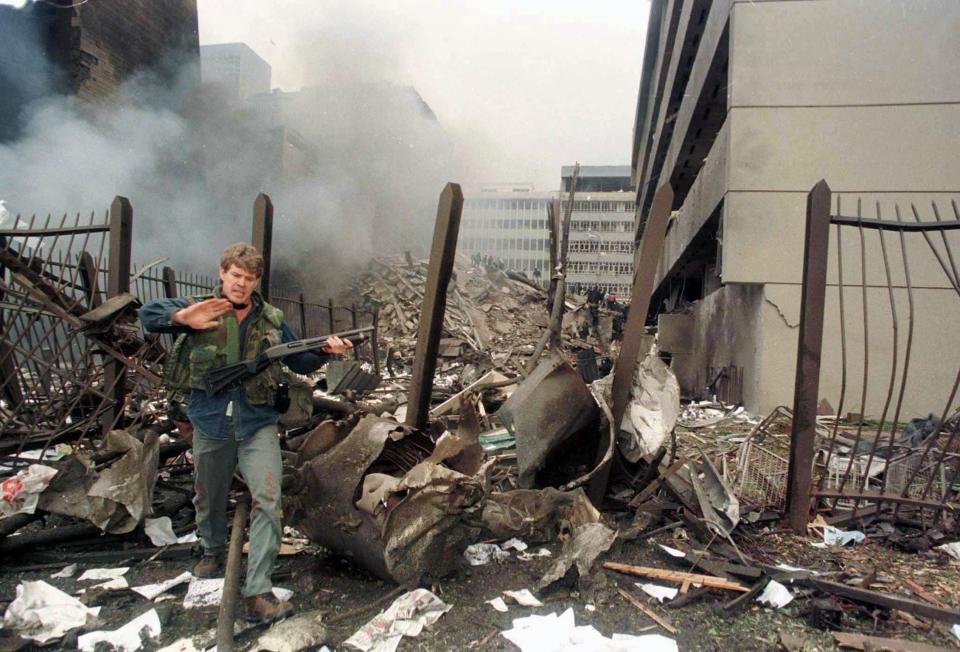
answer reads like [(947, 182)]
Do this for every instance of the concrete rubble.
[(518, 452)]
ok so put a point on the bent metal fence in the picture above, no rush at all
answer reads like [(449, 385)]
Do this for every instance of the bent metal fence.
[(73, 361), (876, 469)]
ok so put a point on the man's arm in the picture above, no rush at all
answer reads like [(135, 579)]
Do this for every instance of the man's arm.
[(181, 315), (305, 362), (157, 315)]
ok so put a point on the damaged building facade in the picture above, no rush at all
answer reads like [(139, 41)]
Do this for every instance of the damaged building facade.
[(87, 49), (601, 229), (743, 107)]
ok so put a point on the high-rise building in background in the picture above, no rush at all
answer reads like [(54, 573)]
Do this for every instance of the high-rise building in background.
[(600, 253), (507, 222), (236, 69)]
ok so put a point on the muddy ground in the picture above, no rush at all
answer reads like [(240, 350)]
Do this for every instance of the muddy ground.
[(334, 585)]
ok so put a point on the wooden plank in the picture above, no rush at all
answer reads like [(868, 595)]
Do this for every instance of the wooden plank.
[(951, 616), (676, 576), (442, 253), (660, 620)]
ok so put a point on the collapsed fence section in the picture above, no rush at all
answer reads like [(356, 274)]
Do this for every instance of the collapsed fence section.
[(74, 363), (885, 464)]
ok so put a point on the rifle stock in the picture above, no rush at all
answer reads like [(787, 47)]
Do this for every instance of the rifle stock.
[(221, 378)]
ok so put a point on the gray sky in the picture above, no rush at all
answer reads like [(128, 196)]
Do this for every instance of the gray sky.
[(526, 86)]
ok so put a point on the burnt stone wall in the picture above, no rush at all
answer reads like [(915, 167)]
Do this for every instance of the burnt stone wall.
[(113, 39)]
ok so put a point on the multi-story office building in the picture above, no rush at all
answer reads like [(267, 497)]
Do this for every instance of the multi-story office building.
[(508, 221), (600, 253), (743, 107), (236, 69)]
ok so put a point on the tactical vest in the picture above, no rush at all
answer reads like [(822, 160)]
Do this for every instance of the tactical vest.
[(196, 353)]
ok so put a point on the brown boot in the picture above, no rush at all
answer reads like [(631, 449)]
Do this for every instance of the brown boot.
[(264, 608), (208, 567)]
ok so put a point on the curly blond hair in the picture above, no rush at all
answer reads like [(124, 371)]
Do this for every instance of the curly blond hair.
[(243, 256)]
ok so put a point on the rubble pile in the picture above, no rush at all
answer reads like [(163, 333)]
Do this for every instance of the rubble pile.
[(488, 312), (678, 506)]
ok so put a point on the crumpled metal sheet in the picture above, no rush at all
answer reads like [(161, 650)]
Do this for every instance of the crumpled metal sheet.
[(549, 407), (653, 408), (401, 529), (115, 499), (536, 515), (588, 542)]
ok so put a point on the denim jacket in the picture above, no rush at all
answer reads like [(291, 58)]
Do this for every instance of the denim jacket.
[(211, 415)]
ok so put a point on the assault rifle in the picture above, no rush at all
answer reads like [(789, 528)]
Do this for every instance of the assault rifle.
[(219, 379)]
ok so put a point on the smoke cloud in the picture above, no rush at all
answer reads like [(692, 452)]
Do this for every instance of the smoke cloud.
[(353, 162)]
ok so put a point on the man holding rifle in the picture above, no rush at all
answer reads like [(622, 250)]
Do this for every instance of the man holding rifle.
[(237, 425)]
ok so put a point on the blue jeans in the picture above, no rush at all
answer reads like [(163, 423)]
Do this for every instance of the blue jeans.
[(258, 456)]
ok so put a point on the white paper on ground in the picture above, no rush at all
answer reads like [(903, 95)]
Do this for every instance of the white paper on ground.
[(590, 607), (126, 638), (42, 612), (160, 531), (553, 632), (794, 569), (498, 604), (100, 574), (955, 630), (835, 536), (673, 552), (514, 544), (282, 594), (115, 584), (20, 493), (407, 616), (207, 593), (203, 593), (523, 597), (776, 595), (952, 549), (661, 593), (527, 556), (479, 554), (67, 571), (150, 591)]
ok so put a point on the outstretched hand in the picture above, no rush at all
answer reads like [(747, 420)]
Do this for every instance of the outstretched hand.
[(203, 315), (336, 345)]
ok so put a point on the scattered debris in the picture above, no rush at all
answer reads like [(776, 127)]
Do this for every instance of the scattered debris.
[(19, 494), (498, 604), (523, 597), (43, 613), (776, 595), (553, 632), (160, 532), (151, 591), (407, 616), (588, 542), (299, 632), (127, 638), (478, 554), (660, 593)]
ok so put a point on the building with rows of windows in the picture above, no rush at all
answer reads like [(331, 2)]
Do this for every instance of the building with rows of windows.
[(508, 222), (600, 253)]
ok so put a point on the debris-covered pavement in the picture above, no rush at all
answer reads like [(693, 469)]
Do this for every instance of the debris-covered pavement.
[(523, 516)]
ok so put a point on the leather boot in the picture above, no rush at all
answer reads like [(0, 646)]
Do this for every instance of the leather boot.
[(208, 567), (264, 608)]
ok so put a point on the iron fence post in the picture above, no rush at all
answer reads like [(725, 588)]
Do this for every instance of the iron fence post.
[(809, 347), (118, 282), (262, 238), (303, 316), (333, 322), (442, 252), (8, 368), (87, 275), (169, 282)]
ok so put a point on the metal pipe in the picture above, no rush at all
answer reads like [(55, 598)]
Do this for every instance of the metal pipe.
[(231, 582)]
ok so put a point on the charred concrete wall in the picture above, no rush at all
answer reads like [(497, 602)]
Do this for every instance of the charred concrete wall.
[(90, 48)]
